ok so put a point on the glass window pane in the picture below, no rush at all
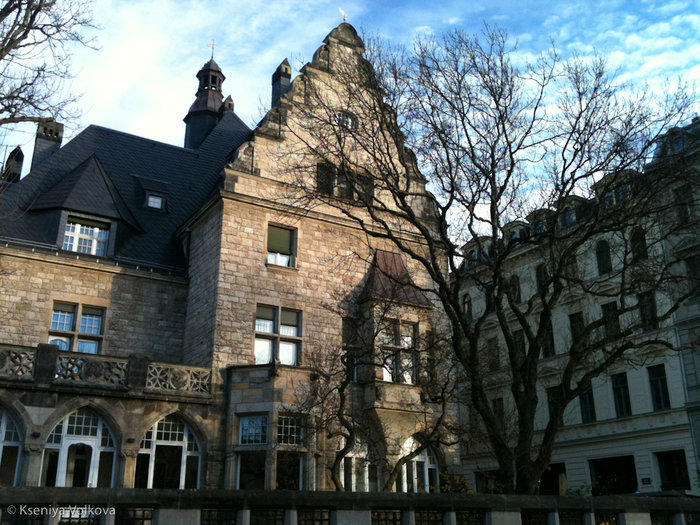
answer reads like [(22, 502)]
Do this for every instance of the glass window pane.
[(279, 240), (265, 319), (88, 347), (63, 343), (91, 321), (290, 323), (263, 351), (288, 353), (62, 317)]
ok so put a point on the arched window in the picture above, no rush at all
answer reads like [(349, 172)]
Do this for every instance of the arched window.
[(602, 254), (467, 304), (169, 456), (10, 445), (79, 452), (420, 474), (639, 245)]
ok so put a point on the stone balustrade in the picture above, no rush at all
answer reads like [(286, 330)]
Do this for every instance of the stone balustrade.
[(47, 365), (17, 363)]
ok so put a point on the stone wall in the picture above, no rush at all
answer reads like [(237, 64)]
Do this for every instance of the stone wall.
[(144, 311)]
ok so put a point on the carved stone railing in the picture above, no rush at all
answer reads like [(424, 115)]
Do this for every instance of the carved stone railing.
[(17, 364), (182, 379), (91, 370)]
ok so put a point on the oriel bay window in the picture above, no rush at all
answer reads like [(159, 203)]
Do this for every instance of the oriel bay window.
[(77, 328), (277, 335), (399, 356)]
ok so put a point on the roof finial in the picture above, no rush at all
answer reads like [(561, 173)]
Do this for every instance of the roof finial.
[(345, 16), (212, 46)]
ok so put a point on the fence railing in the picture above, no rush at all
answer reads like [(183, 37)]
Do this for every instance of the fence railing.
[(230, 507)]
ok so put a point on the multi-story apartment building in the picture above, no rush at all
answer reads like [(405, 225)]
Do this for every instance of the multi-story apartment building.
[(625, 285), (166, 310)]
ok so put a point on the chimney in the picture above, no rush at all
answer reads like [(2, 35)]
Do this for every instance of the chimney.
[(49, 136), (281, 81), (13, 166)]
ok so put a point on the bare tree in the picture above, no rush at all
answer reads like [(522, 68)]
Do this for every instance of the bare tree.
[(342, 394), (556, 148), (37, 38)]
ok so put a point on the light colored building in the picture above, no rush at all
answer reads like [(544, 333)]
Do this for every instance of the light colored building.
[(635, 429)]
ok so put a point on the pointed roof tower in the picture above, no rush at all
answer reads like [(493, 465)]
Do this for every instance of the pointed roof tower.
[(204, 111)]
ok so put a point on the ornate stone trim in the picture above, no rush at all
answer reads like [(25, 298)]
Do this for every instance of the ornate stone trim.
[(17, 364), (91, 370), (188, 380)]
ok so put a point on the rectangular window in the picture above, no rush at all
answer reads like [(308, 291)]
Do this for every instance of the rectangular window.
[(281, 246), (86, 237), (86, 337), (587, 405), (548, 349), (612, 319), (647, 311), (621, 395), (658, 387), (553, 397), (576, 326), (399, 353), (685, 202), (277, 335), (493, 354), (253, 430), (154, 201), (290, 430)]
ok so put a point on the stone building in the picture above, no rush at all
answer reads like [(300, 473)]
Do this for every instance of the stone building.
[(164, 309), (635, 428)]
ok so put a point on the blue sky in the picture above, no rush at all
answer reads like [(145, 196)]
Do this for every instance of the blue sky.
[(142, 79)]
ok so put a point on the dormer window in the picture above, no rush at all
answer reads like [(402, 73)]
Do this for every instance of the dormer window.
[(87, 237), (155, 201)]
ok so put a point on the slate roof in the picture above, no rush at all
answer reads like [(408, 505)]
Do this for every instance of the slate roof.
[(389, 280), (105, 173)]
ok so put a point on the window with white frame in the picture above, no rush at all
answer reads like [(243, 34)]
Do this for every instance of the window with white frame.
[(155, 201), (290, 429), (281, 246), (10, 446), (79, 452), (399, 358), (86, 237), (77, 327), (169, 456), (277, 335), (252, 430), (357, 472), (420, 474)]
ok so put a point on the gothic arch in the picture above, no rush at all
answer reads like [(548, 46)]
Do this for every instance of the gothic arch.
[(171, 454), (80, 450)]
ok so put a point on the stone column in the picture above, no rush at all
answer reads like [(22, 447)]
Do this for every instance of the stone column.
[(127, 476), (30, 475)]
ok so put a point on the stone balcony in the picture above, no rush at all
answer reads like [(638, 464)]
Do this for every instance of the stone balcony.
[(47, 366)]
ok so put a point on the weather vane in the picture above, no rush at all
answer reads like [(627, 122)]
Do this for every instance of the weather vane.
[(212, 48), (345, 17)]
